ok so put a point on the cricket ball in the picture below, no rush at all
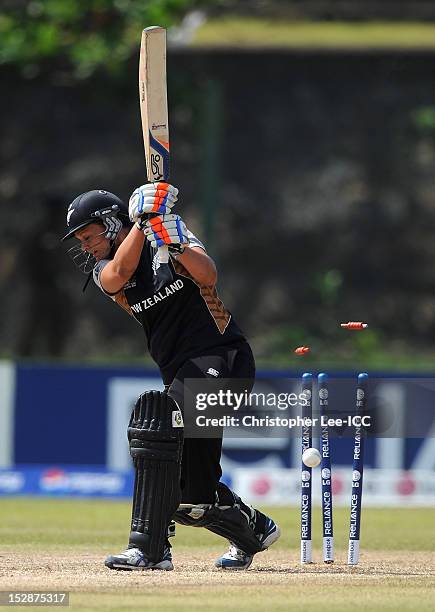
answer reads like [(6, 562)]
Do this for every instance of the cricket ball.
[(311, 457)]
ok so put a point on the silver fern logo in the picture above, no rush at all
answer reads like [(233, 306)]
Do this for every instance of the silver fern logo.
[(156, 263)]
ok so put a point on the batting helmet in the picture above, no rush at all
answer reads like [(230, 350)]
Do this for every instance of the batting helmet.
[(94, 206)]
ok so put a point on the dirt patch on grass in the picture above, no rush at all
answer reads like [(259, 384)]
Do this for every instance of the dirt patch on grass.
[(86, 572)]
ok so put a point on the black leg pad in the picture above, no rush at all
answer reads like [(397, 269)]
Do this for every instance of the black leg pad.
[(227, 521), (155, 434)]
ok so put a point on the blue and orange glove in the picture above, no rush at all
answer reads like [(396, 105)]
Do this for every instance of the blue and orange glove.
[(167, 230), (151, 199)]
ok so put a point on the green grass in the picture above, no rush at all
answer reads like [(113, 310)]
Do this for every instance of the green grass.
[(59, 544), (56, 523), (241, 32), (330, 361), (360, 596)]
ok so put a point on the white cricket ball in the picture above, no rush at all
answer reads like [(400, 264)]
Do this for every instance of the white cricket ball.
[(311, 457)]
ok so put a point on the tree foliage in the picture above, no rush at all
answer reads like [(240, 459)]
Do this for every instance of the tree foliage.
[(79, 37)]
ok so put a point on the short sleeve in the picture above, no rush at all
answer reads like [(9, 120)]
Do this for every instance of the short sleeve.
[(194, 241), (97, 272)]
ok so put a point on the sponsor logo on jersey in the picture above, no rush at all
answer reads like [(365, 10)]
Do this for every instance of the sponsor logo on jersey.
[(130, 284), (177, 419)]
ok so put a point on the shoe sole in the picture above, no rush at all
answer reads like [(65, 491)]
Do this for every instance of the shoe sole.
[(164, 565), (234, 568)]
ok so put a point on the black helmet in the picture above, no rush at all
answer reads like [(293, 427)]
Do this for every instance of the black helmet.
[(94, 206)]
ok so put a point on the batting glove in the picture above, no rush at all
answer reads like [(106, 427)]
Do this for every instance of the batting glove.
[(153, 198), (166, 230)]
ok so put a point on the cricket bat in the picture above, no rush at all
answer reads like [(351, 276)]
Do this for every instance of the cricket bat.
[(153, 101)]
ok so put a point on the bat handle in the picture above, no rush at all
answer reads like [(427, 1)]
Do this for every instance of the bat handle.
[(163, 254)]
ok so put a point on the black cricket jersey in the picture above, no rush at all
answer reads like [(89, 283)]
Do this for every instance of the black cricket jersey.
[(180, 317)]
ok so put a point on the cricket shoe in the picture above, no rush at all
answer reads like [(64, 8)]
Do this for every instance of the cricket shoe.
[(134, 559), (237, 559)]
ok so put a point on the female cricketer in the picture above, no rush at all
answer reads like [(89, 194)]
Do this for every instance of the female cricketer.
[(191, 336)]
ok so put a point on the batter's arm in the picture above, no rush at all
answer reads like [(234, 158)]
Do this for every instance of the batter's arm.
[(199, 265), (124, 263)]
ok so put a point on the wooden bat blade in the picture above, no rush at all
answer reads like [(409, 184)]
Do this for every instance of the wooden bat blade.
[(154, 102)]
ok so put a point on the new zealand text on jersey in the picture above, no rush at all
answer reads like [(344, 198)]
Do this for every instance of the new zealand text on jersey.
[(158, 297)]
